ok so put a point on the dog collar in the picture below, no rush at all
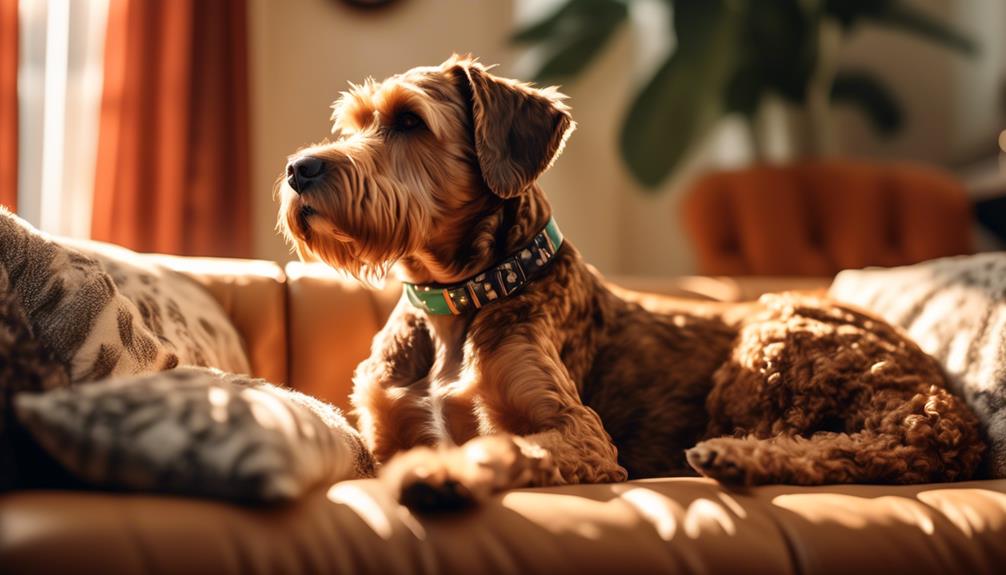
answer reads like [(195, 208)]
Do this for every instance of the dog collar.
[(495, 283)]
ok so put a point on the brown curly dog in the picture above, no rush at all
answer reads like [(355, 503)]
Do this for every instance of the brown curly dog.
[(509, 362), (816, 392)]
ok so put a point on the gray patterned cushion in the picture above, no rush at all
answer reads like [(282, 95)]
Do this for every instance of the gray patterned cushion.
[(103, 311), (196, 431), (955, 308)]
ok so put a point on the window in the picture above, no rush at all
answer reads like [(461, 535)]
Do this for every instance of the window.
[(59, 101)]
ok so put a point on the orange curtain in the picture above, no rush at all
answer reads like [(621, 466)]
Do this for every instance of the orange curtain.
[(8, 103), (172, 167)]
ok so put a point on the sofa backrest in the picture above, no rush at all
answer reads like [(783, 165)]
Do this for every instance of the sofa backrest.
[(305, 326), (308, 326), (331, 322)]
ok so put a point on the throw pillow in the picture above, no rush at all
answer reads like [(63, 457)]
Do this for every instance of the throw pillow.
[(104, 311), (955, 309), (196, 431)]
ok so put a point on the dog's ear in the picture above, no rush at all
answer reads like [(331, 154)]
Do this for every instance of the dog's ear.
[(519, 130)]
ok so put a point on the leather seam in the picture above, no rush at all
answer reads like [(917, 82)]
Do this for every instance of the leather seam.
[(794, 555)]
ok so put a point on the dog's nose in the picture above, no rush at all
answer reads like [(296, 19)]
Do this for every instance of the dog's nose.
[(303, 172)]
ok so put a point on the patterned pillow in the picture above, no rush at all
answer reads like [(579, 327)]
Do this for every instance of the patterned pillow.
[(196, 431), (104, 311), (955, 309)]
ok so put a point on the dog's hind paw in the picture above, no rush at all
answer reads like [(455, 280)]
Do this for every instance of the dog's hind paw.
[(717, 462)]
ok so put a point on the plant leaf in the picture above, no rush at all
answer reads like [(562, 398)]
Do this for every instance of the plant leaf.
[(744, 91), (849, 12), (910, 19), (581, 46), (862, 90), (545, 28), (566, 19), (902, 15), (683, 98), (777, 52)]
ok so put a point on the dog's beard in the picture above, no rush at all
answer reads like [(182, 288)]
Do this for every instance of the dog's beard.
[(362, 231)]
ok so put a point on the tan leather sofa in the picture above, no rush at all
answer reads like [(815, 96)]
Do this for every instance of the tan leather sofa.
[(307, 327)]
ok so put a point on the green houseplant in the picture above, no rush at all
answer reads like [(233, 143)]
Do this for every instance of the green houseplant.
[(728, 56)]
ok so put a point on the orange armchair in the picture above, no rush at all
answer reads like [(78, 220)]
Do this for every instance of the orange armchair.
[(815, 219)]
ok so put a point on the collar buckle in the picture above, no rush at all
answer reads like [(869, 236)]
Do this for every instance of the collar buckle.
[(510, 275)]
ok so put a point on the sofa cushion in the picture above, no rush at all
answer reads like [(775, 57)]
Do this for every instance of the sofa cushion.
[(681, 525), (196, 431), (955, 309), (92, 311)]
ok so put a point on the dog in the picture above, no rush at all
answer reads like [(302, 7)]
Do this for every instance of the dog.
[(509, 362)]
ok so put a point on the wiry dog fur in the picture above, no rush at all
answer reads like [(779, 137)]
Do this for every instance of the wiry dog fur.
[(435, 171)]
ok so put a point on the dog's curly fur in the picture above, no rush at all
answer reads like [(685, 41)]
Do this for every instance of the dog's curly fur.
[(820, 393), (435, 171)]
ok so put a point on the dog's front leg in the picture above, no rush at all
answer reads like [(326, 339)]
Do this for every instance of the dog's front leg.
[(390, 387), (536, 430)]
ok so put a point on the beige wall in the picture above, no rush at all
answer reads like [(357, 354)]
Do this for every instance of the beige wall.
[(304, 52), (952, 103)]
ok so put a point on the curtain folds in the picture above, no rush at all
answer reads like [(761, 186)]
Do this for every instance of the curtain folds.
[(8, 103), (172, 171)]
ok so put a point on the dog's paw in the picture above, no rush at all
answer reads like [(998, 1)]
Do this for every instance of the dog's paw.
[(447, 479), (427, 480), (717, 462), (426, 495)]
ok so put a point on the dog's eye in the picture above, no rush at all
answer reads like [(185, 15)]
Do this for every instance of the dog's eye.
[(407, 121)]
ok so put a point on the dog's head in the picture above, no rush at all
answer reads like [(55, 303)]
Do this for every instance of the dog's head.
[(419, 162)]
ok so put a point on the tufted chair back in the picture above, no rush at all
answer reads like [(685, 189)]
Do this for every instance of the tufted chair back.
[(815, 219)]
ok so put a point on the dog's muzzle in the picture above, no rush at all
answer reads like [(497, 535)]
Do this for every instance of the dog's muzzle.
[(303, 172)]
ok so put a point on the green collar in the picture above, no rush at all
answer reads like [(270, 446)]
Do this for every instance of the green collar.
[(497, 282)]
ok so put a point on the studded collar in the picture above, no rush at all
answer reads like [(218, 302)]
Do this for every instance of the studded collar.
[(495, 283)]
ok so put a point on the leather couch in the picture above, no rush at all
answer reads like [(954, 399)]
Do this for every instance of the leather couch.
[(308, 327)]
